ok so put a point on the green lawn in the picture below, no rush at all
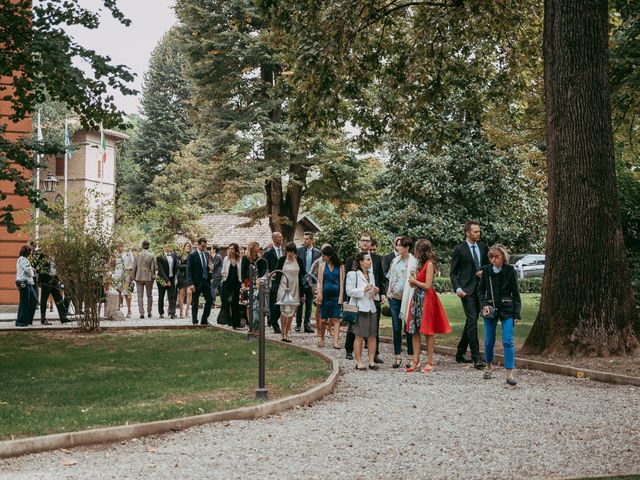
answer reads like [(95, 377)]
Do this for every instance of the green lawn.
[(58, 382), (453, 307)]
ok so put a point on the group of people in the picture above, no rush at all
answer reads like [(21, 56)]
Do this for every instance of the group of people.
[(308, 276)]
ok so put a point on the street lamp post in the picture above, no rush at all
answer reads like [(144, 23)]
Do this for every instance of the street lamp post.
[(287, 304)]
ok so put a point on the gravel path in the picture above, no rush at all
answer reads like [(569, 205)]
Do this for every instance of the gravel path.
[(389, 424)]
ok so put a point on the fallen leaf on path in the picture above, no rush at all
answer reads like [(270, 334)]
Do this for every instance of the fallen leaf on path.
[(69, 463)]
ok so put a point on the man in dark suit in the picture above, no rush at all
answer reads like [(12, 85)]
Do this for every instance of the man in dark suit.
[(199, 281), (364, 243), (388, 259), (308, 254), (167, 272), (466, 263), (272, 255)]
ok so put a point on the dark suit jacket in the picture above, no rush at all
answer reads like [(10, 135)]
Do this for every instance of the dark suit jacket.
[(194, 268), (463, 270), (378, 274), (315, 254), (163, 267), (272, 258), (278, 276)]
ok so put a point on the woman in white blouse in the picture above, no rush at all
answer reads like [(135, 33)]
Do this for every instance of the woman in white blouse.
[(24, 281), (361, 289)]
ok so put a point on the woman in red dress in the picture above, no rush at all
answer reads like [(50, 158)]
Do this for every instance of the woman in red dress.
[(425, 314)]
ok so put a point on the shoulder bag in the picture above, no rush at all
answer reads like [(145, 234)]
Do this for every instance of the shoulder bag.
[(493, 311), (350, 312)]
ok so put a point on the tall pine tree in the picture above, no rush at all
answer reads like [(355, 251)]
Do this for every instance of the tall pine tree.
[(165, 126)]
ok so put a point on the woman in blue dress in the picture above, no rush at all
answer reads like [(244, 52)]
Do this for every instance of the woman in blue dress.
[(329, 298)]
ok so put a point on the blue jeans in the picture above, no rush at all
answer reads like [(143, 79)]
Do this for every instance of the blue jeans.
[(396, 323), (490, 327)]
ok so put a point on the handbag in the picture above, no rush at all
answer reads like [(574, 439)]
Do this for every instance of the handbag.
[(350, 312), (493, 312)]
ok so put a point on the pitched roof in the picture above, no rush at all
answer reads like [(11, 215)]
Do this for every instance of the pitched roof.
[(223, 229)]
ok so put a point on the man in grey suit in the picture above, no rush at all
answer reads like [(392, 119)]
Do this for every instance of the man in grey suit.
[(144, 273)]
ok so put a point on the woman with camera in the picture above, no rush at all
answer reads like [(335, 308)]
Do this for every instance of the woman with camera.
[(500, 300), (25, 274), (426, 315)]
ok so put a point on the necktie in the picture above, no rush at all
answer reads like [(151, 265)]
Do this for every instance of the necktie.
[(204, 265), (476, 259)]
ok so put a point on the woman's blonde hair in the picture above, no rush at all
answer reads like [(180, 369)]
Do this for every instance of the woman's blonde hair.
[(501, 249)]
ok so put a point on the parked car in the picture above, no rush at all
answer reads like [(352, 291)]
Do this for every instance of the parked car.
[(528, 265)]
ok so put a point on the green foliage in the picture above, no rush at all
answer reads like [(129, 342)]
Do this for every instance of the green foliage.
[(414, 70), (165, 125), (432, 195), (525, 285), (41, 59), (82, 254), (629, 200)]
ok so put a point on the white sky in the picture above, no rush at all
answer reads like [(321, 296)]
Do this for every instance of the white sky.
[(132, 45)]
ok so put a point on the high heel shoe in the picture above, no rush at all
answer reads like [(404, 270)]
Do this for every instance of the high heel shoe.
[(428, 368), (412, 368)]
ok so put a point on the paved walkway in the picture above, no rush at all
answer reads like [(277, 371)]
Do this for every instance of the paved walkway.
[(388, 424)]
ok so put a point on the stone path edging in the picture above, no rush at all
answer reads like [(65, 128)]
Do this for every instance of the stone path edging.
[(546, 367), (14, 448)]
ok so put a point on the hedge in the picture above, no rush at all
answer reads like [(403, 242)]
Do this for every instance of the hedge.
[(526, 285)]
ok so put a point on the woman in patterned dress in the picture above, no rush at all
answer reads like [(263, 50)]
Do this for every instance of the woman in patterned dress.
[(426, 314)]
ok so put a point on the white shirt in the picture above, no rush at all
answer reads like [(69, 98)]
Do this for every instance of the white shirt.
[(170, 262), (127, 258), (24, 270), (355, 285)]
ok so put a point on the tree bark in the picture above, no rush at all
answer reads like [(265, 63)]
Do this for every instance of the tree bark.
[(587, 305), (282, 207)]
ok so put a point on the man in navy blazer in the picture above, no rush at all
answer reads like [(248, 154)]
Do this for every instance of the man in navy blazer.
[(466, 263), (272, 255), (308, 254), (199, 281)]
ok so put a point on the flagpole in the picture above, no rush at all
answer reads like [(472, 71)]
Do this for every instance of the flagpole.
[(103, 152), (39, 138), (66, 168)]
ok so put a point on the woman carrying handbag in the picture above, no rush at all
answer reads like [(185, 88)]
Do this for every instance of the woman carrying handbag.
[(500, 300)]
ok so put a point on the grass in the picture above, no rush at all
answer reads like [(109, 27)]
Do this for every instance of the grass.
[(51, 383), (453, 307)]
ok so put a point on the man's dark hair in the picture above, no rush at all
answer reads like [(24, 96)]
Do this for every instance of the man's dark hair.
[(25, 251), (469, 224), (202, 239), (374, 243), (309, 234), (145, 244)]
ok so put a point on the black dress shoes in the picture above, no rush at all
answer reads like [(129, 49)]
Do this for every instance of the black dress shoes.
[(204, 323), (298, 328), (276, 329), (377, 359), (45, 322), (479, 365), (463, 359), (308, 330), (349, 356), (141, 317)]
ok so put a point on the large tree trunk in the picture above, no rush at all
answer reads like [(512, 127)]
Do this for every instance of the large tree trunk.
[(587, 305), (282, 207)]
